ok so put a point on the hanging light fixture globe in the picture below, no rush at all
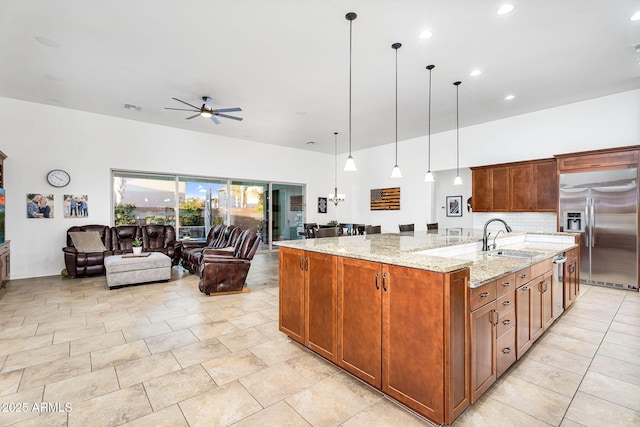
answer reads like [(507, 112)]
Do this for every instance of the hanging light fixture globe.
[(457, 180), (336, 197), (429, 176), (395, 172), (350, 164)]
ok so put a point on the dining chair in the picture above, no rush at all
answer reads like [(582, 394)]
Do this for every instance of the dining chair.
[(406, 227), (432, 226), (373, 229), (327, 232)]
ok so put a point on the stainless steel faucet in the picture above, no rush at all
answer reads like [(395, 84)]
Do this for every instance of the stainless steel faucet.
[(485, 235)]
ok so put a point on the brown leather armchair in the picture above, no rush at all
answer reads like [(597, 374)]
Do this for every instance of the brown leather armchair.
[(122, 237), (83, 263), (161, 238), (221, 271), (192, 251)]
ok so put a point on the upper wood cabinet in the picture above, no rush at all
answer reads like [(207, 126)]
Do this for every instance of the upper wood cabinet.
[(534, 187), (610, 158), (516, 187), (490, 189)]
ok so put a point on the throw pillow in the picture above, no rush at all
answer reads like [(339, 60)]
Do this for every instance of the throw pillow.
[(87, 241)]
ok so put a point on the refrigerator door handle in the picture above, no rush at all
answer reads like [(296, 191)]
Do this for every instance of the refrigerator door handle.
[(592, 222)]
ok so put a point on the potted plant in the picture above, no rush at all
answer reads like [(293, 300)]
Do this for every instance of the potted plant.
[(137, 246)]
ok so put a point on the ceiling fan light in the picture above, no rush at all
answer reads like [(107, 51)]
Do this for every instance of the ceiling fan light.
[(350, 165), (429, 177), (395, 173), (205, 113)]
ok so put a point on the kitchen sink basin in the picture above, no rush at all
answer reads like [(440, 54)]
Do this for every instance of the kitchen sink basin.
[(512, 254)]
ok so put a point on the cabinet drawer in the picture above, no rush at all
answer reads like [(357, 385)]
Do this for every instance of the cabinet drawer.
[(506, 351), (541, 267), (507, 302), (506, 284), (506, 321), (483, 294), (523, 276)]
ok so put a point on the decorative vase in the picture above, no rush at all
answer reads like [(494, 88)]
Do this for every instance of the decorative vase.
[(137, 250)]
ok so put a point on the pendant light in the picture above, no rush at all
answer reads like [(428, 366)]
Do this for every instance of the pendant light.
[(336, 197), (457, 180), (395, 173), (429, 176), (350, 164)]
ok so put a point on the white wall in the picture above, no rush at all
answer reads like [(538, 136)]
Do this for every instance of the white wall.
[(38, 138)]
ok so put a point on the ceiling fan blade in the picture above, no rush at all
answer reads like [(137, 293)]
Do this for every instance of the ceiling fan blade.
[(226, 116), (179, 109), (192, 117), (215, 120), (192, 106), (226, 110), (208, 101)]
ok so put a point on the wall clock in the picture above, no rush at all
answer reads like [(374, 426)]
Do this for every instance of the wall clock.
[(58, 178)]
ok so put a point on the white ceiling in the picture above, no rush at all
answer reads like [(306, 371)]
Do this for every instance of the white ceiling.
[(286, 62)]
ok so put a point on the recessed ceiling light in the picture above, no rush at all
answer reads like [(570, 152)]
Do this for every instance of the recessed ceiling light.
[(504, 9), (133, 107), (426, 34), (475, 73), (47, 41), (509, 97), (635, 16), (311, 143)]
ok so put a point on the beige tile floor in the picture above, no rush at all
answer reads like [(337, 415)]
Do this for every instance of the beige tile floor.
[(164, 354)]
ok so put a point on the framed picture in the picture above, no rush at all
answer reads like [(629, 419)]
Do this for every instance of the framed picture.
[(39, 205), (76, 206), (322, 205), (454, 205)]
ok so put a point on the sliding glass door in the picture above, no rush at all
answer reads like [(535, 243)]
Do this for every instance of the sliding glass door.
[(203, 204), (288, 211)]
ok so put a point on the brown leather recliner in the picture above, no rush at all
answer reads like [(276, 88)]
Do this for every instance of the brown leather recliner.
[(224, 272), (122, 237), (192, 250), (83, 263), (161, 238)]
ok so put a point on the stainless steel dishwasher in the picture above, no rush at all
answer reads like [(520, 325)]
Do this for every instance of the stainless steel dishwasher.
[(557, 287)]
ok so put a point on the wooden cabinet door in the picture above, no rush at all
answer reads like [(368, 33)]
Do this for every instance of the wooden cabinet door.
[(292, 284), (547, 301), (500, 189), (483, 349), (412, 338), (359, 319), (481, 190), (571, 283), (521, 180), (321, 304), (545, 188), (523, 319), (537, 323)]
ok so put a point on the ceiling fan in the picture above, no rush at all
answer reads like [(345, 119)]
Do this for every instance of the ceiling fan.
[(207, 110)]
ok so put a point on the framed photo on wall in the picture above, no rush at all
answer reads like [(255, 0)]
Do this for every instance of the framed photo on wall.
[(76, 206), (454, 205), (322, 205), (39, 205)]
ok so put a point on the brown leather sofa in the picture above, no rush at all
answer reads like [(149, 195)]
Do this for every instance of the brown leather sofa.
[(117, 240), (219, 237), (221, 271)]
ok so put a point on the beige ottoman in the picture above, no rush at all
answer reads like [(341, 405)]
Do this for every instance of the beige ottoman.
[(129, 270)]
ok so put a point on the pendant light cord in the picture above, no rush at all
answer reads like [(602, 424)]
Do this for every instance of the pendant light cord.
[(457, 132), (429, 122), (350, 59), (397, 104), (335, 137)]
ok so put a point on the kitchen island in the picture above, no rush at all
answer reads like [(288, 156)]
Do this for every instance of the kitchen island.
[(395, 310)]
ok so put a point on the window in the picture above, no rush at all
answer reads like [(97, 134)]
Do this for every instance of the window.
[(194, 204)]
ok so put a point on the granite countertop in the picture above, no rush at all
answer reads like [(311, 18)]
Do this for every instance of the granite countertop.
[(443, 251)]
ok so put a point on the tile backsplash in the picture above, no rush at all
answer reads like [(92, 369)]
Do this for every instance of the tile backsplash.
[(545, 222)]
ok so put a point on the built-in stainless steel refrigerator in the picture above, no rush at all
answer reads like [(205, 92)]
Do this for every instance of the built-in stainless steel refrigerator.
[(603, 207)]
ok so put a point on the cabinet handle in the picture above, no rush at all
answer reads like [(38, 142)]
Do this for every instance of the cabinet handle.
[(377, 276), (506, 284), (525, 288), (306, 263), (384, 282), (506, 350), (506, 322), (572, 269), (301, 263), (523, 276), (485, 294), (497, 317), (506, 303)]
